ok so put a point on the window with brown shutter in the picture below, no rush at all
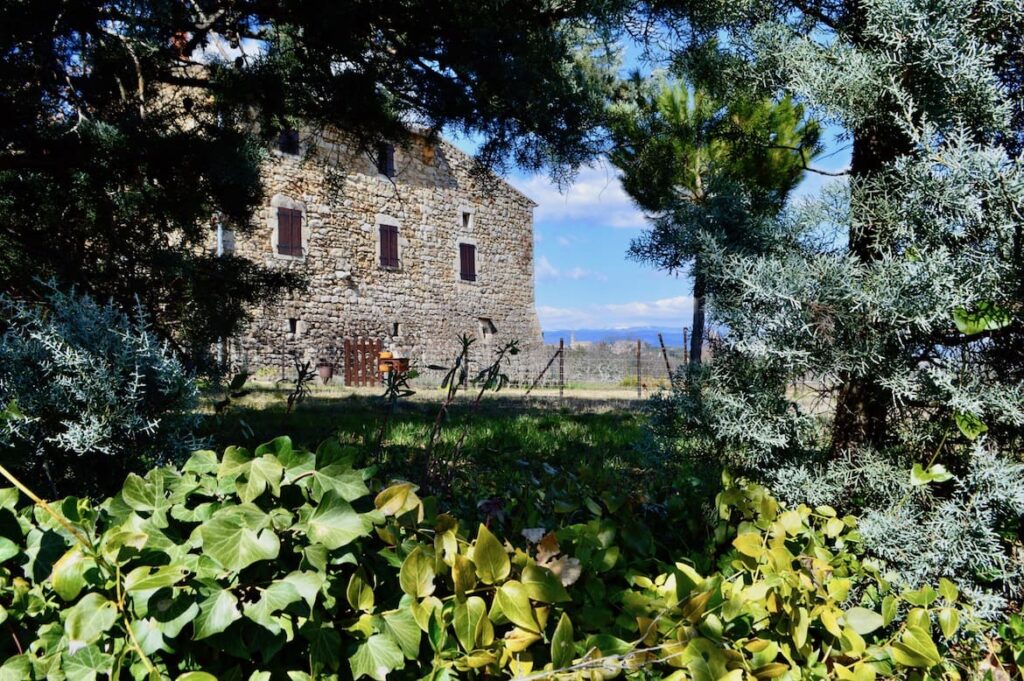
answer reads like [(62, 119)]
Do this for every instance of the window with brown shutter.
[(386, 159), (388, 246), (467, 262), (289, 231)]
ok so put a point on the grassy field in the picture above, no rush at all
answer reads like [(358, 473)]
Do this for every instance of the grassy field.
[(567, 456)]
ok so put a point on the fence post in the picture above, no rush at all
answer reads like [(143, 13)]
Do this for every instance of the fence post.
[(561, 368), (638, 390), (664, 354)]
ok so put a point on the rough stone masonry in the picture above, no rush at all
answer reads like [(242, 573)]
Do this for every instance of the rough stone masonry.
[(416, 305)]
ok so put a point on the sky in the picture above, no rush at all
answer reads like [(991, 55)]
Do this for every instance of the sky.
[(583, 277)]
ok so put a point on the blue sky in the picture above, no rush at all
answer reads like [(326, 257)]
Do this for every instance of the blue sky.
[(581, 236)]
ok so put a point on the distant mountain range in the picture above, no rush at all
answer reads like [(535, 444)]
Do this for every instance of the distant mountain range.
[(647, 334)]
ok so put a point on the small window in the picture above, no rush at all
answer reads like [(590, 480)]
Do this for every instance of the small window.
[(388, 246), (396, 329), (288, 141), (467, 262), (293, 326), (467, 219), (289, 231), (386, 159), (487, 329)]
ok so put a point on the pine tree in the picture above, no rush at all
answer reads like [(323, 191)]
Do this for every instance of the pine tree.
[(873, 356), (126, 126), (705, 169)]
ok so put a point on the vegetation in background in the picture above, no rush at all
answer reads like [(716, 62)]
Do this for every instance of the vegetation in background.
[(97, 395), (710, 173), (288, 562), (127, 129), (895, 294)]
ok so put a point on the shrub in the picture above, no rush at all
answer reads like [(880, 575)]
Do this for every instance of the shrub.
[(98, 395), (282, 563)]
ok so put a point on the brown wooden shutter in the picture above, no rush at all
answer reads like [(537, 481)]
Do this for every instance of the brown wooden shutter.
[(289, 231), (388, 246), (467, 262), (296, 232)]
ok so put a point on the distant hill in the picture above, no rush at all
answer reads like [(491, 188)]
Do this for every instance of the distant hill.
[(649, 335)]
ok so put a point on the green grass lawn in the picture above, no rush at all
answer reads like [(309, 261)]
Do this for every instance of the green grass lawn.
[(521, 464)]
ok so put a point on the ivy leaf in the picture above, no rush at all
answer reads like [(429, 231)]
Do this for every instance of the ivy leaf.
[(377, 657), (68, 576), (863, 621), (16, 668), (8, 549), (276, 597), (399, 499), (514, 602), (324, 648), (916, 649), (463, 575), (146, 577), (229, 541), (87, 664), (341, 479), (948, 590), (467, 621), (402, 628), (235, 462), (563, 651), (542, 585), (936, 473), (416, 576), (986, 316), (88, 619), (216, 613), (749, 544), (261, 473), (335, 523), (970, 425), (949, 622), (492, 563), (359, 593)]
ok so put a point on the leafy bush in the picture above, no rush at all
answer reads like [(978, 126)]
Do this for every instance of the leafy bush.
[(281, 563), (97, 394)]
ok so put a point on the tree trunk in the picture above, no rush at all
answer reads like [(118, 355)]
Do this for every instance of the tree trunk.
[(862, 405), (697, 337)]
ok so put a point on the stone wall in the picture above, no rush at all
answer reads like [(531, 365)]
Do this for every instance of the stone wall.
[(419, 308)]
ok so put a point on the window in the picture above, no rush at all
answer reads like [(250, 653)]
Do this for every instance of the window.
[(467, 219), (388, 246), (293, 326), (289, 231), (288, 141), (386, 159), (487, 329), (396, 329), (467, 262)]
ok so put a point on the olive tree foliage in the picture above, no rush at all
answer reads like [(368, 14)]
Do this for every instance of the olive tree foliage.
[(126, 128), (873, 352), (706, 169), (94, 394)]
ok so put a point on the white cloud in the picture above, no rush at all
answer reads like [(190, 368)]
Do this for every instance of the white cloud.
[(562, 241), (543, 269), (674, 311), (596, 198)]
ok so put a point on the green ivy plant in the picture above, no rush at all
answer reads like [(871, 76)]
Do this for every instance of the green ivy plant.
[(286, 563)]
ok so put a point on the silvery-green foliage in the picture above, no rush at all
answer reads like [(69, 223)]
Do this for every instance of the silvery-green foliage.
[(98, 395), (945, 220)]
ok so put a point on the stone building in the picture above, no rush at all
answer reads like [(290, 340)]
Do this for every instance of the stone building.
[(406, 246)]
